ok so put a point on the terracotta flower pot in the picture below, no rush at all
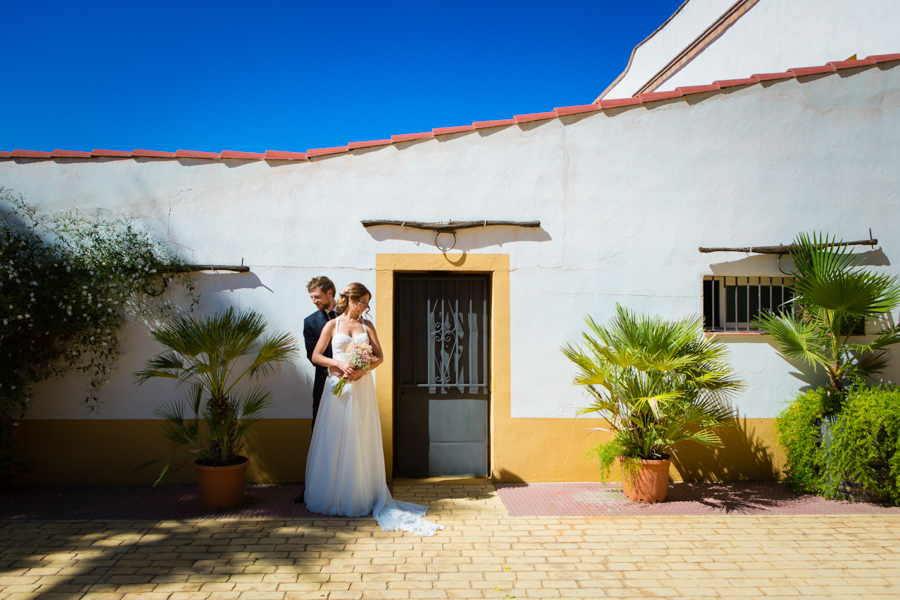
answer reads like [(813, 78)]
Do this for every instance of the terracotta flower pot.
[(221, 488), (649, 483)]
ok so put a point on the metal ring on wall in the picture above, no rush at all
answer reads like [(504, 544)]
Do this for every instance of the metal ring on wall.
[(438, 246)]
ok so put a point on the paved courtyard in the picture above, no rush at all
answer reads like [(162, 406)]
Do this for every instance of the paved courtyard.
[(484, 552)]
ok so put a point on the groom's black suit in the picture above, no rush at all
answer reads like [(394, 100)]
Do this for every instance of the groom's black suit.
[(312, 330)]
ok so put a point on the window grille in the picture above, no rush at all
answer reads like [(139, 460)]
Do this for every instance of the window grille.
[(733, 303)]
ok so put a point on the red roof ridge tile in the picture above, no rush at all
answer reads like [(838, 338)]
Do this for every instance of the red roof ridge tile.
[(119, 153), (774, 76), (448, 130), (803, 71), (655, 96), (197, 154), (619, 102), (726, 83), (535, 117), (69, 154), (281, 155), (17, 153), (326, 151), (563, 111), (494, 123), (408, 137), (851, 64), (698, 89), (369, 144), (152, 154), (880, 58), (242, 155)]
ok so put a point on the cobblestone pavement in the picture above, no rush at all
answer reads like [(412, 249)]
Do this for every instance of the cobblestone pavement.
[(483, 553)]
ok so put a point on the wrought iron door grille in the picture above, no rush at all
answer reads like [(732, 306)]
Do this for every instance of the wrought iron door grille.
[(733, 303), (453, 331)]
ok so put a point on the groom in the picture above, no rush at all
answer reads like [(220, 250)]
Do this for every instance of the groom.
[(321, 292)]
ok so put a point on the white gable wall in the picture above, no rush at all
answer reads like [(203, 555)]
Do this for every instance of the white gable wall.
[(773, 36)]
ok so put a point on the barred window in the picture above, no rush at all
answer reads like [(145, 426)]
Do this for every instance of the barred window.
[(733, 303)]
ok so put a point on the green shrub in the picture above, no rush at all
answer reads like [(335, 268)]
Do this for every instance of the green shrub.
[(866, 439), (863, 451), (798, 433)]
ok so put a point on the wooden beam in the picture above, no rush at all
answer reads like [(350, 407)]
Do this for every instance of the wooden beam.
[(782, 249), (451, 225), (193, 268)]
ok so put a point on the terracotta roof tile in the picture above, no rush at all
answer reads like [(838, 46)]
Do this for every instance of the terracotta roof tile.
[(5, 154), (279, 155), (196, 154), (654, 96), (698, 89), (29, 154), (326, 151), (535, 117), (69, 154), (604, 104), (408, 137), (576, 110), (449, 130), (370, 144), (802, 71), (880, 58), (851, 64), (153, 154), (774, 76), (727, 83), (243, 155), (119, 153), (496, 123)]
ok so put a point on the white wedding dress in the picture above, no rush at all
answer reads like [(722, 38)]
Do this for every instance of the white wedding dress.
[(345, 467)]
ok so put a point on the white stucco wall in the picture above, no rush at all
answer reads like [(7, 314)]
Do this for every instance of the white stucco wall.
[(773, 36), (625, 198)]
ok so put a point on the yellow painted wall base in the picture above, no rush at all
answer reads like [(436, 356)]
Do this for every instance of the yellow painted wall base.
[(107, 452), (534, 450)]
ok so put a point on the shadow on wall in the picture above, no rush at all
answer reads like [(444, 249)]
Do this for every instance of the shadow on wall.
[(767, 265), (747, 455), (466, 239)]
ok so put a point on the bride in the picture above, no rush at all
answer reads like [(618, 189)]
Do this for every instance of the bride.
[(345, 472)]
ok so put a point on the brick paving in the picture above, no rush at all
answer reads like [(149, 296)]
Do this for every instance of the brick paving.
[(484, 552)]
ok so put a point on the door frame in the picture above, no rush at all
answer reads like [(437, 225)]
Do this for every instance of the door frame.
[(496, 265)]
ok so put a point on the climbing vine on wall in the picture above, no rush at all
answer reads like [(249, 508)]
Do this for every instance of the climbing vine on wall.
[(69, 282)]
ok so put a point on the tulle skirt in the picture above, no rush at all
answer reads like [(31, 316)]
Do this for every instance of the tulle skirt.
[(345, 468)]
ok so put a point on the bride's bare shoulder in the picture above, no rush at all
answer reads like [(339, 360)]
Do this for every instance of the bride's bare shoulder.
[(368, 324)]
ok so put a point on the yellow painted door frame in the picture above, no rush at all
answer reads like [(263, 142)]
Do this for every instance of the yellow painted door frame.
[(497, 265)]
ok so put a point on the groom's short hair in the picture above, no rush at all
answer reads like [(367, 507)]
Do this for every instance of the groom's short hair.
[(323, 283)]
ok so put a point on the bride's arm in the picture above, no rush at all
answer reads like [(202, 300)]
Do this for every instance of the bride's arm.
[(376, 345), (318, 355)]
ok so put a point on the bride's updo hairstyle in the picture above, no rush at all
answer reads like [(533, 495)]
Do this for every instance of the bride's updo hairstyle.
[(354, 291)]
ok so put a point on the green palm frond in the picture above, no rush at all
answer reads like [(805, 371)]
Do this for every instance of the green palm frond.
[(657, 382), (799, 340), (205, 352)]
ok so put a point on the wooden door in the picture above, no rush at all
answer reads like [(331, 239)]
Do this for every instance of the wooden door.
[(442, 393)]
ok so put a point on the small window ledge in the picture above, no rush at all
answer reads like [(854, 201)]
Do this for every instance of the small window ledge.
[(731, 333)]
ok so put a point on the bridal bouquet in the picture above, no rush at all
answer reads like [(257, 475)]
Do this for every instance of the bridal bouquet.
[(359, 355)]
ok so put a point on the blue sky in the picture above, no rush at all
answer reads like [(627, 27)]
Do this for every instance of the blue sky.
[(215, 76)]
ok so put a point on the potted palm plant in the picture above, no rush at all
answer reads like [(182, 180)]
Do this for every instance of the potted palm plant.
[(657, 383), (213, 355)]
